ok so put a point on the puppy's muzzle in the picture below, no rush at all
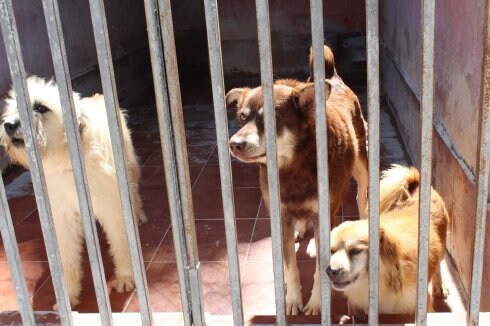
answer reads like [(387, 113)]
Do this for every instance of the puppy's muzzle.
[(11, 127), (334, 274), (237, 146)]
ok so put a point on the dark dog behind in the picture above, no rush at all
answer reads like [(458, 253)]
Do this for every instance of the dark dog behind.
[(296, 152)]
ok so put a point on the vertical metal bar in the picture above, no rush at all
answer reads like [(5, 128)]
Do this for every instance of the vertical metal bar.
[(264, 35), (372, 34), (12, 251), (99, 23), (166, 137), (167, 34), (58, 50), (216, 67), (482, 181), (316, 9), (427, 105), (17, 71)]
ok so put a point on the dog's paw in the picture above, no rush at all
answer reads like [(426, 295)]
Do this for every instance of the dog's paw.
[(440, 291), (294, 302), (299, 235), (313, 307), (123, 284), (142, 218)]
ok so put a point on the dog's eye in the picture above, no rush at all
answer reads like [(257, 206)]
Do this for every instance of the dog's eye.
[(40, 108), (354, 251), (243, 116)]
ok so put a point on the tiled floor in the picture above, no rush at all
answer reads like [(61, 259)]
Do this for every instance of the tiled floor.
[(253, 224)]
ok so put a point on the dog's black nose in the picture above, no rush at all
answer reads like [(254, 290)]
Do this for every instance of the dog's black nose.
[(333, 272), (11, 127), (237, 146)]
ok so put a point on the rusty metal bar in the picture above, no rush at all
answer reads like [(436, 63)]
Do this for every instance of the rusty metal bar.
[(427, 105), (482, 181)]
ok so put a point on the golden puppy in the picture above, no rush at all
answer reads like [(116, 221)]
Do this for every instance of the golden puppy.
[(101, 175), (398, 237)]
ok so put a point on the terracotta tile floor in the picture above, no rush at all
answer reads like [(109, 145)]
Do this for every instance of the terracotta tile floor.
[(253, 225)]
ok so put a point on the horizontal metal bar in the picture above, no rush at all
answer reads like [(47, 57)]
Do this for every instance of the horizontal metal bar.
[(264, 35), (60, 62), (427, 103), (169, 161), (171, 66), (217, 82), (482, 183), (372, 42), (17, 71), (102, 43), (316, 10)]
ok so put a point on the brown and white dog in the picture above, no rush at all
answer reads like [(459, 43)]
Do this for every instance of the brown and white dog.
[(398, 242), (297, 158), (101, 174)]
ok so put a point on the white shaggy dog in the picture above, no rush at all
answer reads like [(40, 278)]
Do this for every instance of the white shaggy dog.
[(101, 175)]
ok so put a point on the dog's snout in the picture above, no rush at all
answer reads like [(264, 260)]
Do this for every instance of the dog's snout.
[(237, 145), (11, 127), (333, 272)]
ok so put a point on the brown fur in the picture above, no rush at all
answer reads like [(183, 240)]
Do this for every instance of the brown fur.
[(399, 195), (297, 158)]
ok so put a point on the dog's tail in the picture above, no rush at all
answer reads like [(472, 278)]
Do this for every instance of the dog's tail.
[(329, 63), (397, 187)]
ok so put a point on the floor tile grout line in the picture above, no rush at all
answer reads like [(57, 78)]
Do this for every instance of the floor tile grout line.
[(148, 267), (40, 287), (203, 167)]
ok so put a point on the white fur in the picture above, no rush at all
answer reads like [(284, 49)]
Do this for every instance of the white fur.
[(101, 175)]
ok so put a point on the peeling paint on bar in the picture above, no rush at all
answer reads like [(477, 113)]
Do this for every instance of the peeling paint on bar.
[(101, 36), (61, 68), (264, 34), (17, 71), (426, 116), (216, 67)]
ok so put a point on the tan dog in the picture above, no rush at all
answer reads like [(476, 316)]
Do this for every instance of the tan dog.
[(101, 174), (297, 158), (398, 236)]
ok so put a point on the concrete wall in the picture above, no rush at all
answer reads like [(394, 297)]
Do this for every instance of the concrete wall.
[(290, 28), (128, 38), (457, 103)]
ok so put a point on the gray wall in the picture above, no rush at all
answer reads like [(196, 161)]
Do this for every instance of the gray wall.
[(290, 28), (457, 103), (127, 32)]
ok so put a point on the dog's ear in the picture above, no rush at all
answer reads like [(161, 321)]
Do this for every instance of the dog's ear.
[(304, 97), (233, 96), (390, 251)]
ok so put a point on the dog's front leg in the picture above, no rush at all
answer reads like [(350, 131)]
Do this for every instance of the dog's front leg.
[(313, 307), (294, 301)]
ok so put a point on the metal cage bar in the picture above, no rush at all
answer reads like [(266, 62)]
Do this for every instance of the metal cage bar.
[(194, 266), (372, 42), (166, 138), (13, 258), (60, 63), (427, 105), (482, 181), (264, 35), (17, 71), (216, 67), (316, 11), (99, 23)]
